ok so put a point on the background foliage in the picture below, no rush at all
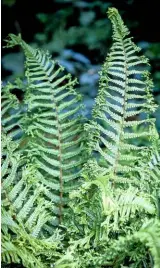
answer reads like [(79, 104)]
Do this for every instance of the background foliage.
[(78, 34)]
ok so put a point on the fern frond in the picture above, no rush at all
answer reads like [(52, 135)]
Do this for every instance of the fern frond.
[(20, 188), (149, 234), (150, 168), (25, 212), (154, 164), (11, 110), (124, 206), (52, 123), (124, 93), (121, 205)]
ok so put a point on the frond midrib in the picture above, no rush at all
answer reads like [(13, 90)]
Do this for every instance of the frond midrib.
[(123, 117)]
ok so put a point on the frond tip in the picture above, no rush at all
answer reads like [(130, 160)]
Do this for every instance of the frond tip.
[(119, 29)]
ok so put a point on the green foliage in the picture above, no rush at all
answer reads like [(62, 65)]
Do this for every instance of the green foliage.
[(52, 138), (25, 212), (116, 107), (150, 235), (9, 2), (78, 35), (76, 193), (57, 36)]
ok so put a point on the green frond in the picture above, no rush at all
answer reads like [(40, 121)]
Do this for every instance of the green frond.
[(149, 234), (121, 205), (119, 29), (124, 93), (150, 167), (25, 211), (11, 111), (18, 194), (52, 124)]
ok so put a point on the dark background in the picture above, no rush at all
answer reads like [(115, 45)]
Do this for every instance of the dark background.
[(144, 12), (78, 34)]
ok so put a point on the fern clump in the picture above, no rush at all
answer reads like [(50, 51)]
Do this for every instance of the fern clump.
[(75, 193)]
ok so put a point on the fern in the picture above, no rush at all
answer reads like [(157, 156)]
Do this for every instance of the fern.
[(124, 93), (24, 211), (150, 235), (11, 110), (94, 183), (19, 193), (54, 139), (153, 165)]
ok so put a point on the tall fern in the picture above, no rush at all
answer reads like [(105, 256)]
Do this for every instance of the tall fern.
[(52, 124), (124, 94)]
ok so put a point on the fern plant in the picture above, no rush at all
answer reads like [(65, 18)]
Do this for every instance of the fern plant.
[(53, 139), (76, 193), (124, 93)]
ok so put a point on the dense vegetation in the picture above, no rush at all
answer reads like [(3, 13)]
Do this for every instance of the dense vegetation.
[(78, 192)]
